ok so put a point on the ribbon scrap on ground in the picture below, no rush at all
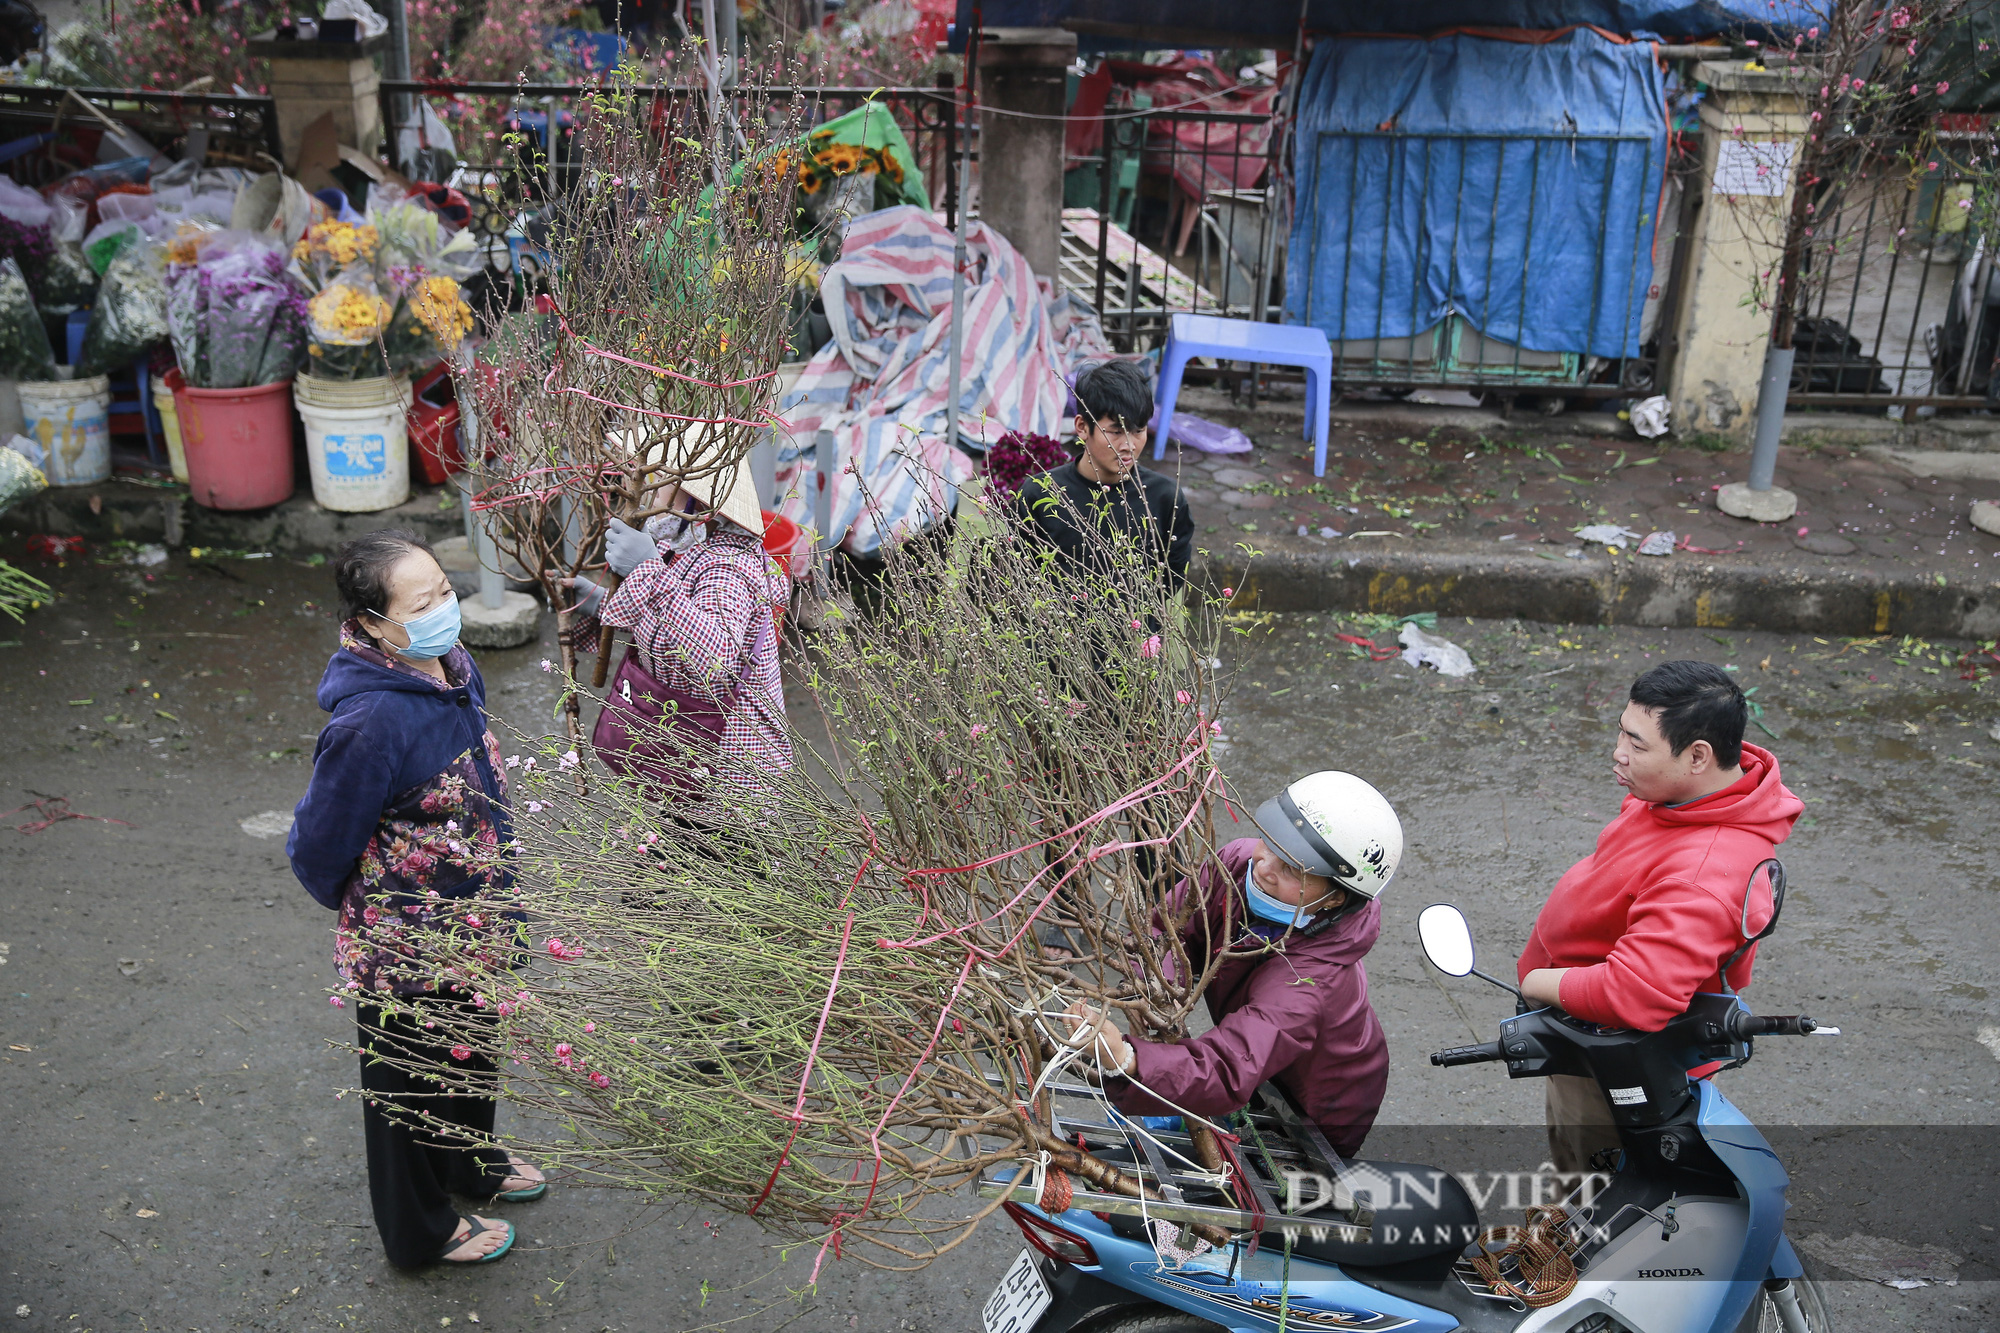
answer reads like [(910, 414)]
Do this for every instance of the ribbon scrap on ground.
[(53, 810)]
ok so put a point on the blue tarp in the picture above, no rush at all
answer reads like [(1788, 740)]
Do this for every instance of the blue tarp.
[(1514, 183), (1112, 23)]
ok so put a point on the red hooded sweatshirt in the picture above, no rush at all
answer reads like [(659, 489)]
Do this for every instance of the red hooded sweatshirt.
[(1645, 921), (1299, 1015)]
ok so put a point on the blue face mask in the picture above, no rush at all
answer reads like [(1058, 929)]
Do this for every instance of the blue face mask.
[(432, 634), (1263, 906)]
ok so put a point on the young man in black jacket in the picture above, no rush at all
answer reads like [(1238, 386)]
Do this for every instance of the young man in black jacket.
[(1106, 486), (1105, 489)]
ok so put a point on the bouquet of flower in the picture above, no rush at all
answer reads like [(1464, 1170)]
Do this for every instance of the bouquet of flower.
[(1015, 457), (385, 293), (66, 281), (234, 314), (130, 315), (24, 340)]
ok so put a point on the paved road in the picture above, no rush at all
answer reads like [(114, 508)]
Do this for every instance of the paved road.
[(178, 1158)]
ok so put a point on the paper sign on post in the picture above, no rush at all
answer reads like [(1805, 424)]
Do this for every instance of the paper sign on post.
[(1753, 167)]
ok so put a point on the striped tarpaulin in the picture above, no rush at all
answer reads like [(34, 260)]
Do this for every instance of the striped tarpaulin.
[(881, 385)]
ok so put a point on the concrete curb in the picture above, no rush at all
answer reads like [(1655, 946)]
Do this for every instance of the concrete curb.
[(1679, 591), (128, 511), (1807, 594)]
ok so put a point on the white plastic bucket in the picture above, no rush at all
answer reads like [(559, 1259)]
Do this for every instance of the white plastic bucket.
[(12, 423), (71, 420), (359, 451), (376, 392)]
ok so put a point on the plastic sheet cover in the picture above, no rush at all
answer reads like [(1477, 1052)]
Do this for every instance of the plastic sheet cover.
[(1517, 184), (1122, 24)]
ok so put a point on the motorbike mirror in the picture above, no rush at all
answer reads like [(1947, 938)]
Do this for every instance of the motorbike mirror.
[(1447, 939)]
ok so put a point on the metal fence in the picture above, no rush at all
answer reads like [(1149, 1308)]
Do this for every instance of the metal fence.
[(227, 131), (1126, 251), (1189, 210), (1902, 294)]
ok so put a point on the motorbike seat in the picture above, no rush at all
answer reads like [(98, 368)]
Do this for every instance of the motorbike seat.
[(1421, 1212)]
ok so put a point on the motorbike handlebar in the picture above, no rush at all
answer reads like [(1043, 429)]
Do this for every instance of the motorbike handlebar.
[(1468, 1055), (1773, 1025)]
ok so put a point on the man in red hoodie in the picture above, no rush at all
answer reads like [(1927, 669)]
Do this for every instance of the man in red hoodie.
[(1636, 929)]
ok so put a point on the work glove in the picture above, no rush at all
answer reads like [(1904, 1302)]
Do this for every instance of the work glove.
[(626, 548), (589, 596)]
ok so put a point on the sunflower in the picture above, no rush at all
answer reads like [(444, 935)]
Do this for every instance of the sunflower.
[(842, 159)]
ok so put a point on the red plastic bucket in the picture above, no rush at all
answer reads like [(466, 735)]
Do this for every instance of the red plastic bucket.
[(784, 539), (434, 434), (238, 443)]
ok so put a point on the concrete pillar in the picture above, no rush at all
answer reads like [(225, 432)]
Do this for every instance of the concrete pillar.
[(1750, 119), (310, 79), (1021, 161)]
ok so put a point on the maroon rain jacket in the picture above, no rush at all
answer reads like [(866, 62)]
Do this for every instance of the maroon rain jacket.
[(1299, 1016)]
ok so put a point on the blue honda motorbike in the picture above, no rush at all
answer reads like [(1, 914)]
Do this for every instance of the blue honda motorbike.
[(1679, 1229)]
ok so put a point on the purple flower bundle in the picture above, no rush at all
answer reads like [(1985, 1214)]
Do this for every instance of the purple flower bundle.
[(30, 247), (1015, 457), (236, 317)]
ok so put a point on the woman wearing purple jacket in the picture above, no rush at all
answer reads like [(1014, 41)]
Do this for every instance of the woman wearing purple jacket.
[(1292, 915), (405, 816)]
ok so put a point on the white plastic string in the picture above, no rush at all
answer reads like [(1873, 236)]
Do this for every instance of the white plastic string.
[(1163, 1235)]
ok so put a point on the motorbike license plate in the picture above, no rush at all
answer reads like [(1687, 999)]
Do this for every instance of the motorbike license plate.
[(1020, 1298)]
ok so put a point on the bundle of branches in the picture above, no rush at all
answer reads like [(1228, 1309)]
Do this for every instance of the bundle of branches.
[(837, 1011), (650, 357)]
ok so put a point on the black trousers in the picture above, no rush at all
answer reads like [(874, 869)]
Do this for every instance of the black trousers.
[(415, 1165)]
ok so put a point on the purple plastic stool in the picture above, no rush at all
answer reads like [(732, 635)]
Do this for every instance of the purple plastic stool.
[(1189, 336)]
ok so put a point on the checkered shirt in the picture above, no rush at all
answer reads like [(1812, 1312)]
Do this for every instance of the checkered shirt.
[(695, 625)]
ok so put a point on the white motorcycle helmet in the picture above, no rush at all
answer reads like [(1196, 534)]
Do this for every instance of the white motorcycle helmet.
[(1338, 827)]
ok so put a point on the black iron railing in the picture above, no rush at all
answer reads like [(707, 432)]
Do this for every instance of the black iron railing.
[(233, 131), (1902, 291)]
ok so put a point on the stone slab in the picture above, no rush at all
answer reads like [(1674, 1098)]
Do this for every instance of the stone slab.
[(1768, 506), (516, 622)]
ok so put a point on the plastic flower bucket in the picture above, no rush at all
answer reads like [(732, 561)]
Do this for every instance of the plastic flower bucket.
[(71, 420), (237, 444), (357, 441), (785, 542)]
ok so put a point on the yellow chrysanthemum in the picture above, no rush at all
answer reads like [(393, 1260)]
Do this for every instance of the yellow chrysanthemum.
[(348, 316), (340, 242), (437, 305), (184, 246)]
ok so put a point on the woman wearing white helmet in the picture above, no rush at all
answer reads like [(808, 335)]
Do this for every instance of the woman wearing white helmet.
[(1292, 914)]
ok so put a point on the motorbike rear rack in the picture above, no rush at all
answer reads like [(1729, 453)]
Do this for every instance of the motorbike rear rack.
[(1278, 1143)]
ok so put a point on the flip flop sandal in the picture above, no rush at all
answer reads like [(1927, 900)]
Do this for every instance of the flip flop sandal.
[(475, 1230), (527, 1193)]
